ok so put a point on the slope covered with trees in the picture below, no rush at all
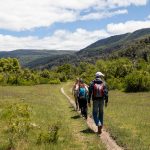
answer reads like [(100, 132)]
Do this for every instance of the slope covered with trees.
[(131, 45), (27, 56)]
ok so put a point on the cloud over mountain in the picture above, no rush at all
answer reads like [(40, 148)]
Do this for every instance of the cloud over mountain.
[(19, 15)]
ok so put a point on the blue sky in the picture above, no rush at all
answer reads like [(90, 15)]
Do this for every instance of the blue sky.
[(67, 24)]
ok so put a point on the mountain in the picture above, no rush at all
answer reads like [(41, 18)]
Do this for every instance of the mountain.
[(115, 42), (49, 62), (27, 56), (132, 45)]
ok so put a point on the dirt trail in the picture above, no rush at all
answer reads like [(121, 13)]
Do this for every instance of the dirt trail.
[(105, 136)]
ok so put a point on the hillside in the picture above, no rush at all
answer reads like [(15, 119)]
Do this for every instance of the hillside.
[(115, 43), (27, 56), (132, 45)]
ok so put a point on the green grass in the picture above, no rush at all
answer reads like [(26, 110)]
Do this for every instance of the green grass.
[(48, 107), (127, 118)]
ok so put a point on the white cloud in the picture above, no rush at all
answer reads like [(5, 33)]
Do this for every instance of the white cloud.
[(101, 15), (66, 40), (128, 26), (125, 3), (61, 39), (21, 15), (24, 17), (148, 17)]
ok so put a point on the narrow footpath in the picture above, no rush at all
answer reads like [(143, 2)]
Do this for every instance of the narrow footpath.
[(105, 136)]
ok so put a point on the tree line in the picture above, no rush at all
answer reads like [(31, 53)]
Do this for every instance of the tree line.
[(11, 73), (123, 73)]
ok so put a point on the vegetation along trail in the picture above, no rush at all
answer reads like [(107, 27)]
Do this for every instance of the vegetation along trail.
[(105, 136), (39, 118), (126, 118)]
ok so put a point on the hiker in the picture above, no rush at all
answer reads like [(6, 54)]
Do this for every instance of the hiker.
[(75, 92), (99, 93), (83, 97)]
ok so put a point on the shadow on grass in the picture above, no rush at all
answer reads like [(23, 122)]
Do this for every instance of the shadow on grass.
[(75, 117), (70, 107), (87, 131)]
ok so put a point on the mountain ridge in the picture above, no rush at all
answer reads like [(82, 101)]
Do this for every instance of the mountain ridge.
[(26, 56), (131, 45)]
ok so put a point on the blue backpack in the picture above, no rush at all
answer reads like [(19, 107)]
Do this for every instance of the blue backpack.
[(82, 92)]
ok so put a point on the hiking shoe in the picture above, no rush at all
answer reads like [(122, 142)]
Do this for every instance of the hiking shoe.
[(99, 129), (85, 116)]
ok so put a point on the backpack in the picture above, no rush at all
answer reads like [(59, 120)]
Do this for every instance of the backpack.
[(98, 90), (82, 92)]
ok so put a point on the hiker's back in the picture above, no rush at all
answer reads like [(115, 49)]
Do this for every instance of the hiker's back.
[(98, 89), (76, 90), (83, 91), (99, 93), (82, 98)]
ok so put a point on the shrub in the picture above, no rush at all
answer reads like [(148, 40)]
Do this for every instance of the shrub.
[(49, 136), (44, 80), (62, 77), (114, 83), (45, 74), (1, 78), (119, 68), (137, 81), (25, 82), (19, 124), (55, 81)]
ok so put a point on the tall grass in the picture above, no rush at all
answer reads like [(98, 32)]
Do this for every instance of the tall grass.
[(53, 123)]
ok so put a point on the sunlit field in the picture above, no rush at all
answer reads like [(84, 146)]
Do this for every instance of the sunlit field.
[(127, 118), (40, 117)]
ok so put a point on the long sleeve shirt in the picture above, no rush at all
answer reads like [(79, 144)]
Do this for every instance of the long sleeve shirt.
[(91, 89)]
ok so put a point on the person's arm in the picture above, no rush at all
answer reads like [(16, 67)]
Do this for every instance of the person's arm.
[(73, 89), (105, 94), (90, 91)]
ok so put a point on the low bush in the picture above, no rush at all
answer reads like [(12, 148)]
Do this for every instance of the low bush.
[(137, 81), (49, 136), (55, 81), (18, 124), (115, 83), (62, 77)]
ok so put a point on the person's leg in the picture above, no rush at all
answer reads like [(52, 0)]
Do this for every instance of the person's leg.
[(76, 100), (101, 112), (100, 116), (95, 111), (85, 108), (81, 106), (79, 102)]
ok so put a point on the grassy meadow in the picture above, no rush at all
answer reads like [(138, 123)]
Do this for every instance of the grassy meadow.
[(127, 118), (40, 118)]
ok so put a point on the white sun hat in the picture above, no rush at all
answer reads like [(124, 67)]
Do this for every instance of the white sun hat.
[(99, 74)]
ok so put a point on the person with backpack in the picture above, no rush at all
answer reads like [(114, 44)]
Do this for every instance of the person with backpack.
[(83, 97), (75, 92), (99, 93)]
